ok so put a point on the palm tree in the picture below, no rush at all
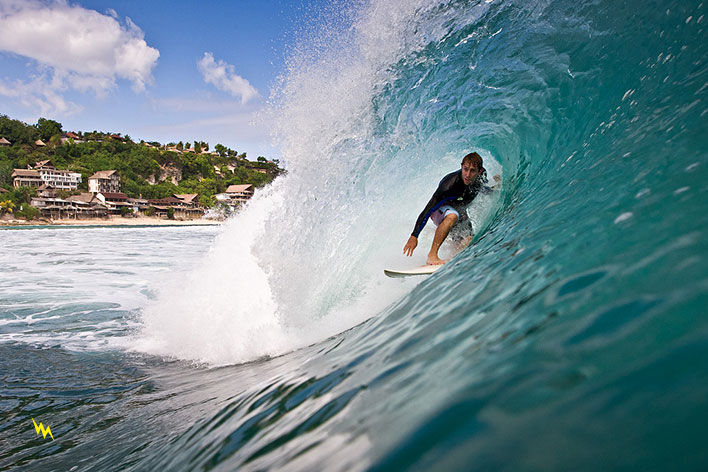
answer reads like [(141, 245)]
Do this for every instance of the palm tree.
[(6, 207)]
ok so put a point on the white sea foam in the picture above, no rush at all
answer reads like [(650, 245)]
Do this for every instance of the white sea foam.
[(80, 287)]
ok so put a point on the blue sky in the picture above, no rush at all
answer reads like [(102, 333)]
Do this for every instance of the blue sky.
[(155, 70)]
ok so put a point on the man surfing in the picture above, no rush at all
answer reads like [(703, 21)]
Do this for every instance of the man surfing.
[(447, 207)]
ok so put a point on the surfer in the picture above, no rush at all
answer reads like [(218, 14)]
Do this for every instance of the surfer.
[(447, 207)]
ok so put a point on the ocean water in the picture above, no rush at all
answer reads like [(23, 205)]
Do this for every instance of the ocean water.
[(571, 335)]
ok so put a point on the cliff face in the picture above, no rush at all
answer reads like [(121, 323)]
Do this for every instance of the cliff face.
[(167, 171)]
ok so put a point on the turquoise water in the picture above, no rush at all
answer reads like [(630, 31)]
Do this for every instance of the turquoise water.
[(572, 334)]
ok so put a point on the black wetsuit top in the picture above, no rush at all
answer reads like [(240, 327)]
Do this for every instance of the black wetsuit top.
[(452, 191)]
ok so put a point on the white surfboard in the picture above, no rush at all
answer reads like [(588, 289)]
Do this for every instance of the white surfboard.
[(422, 270)]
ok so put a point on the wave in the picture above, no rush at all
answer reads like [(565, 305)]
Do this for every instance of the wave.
[(384, 102)]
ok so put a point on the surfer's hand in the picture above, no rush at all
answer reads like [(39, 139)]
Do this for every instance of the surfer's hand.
[(410, 246), (496, 178)]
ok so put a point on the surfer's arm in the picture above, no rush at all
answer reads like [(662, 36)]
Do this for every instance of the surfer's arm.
[(435, 201), (423, 217)]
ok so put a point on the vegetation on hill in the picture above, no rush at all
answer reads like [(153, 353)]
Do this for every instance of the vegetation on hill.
[(146, 170)]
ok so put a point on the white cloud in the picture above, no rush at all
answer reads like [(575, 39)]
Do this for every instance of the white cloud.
[(80, 48), (41, 94), (223, 76)]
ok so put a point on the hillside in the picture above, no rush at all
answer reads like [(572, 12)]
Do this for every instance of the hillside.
[(147, 170)]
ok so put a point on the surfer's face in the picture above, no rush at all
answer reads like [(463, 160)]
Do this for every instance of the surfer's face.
[(469, 173)]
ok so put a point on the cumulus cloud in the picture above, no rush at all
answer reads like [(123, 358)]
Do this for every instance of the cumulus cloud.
[(81, 48), (223, 76)]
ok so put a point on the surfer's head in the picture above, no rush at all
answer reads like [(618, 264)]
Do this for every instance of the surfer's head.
[(471, 167)]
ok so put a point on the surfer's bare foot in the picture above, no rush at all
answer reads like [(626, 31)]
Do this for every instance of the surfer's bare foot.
[(435, 260)]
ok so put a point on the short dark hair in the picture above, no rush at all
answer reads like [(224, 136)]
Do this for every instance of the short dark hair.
[(473, 158)]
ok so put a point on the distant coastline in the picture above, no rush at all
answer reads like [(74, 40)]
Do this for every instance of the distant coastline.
[(116, 221), (56, 177)]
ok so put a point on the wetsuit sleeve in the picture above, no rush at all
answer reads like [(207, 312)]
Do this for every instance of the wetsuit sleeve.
[(436, 201)]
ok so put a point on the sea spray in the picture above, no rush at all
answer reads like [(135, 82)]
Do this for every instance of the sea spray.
[(222, 310), (304, 260)]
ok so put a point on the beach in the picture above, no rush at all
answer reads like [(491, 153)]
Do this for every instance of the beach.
[(112, 221)]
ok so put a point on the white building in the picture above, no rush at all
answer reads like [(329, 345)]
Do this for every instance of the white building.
[(44, 173), (105, 181)]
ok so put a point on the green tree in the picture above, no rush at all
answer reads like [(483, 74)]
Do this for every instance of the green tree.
[(48, 128), (5, 172), (205, 167), (22, 195), (16, 131), (207, 201), (28, 212), (171, 213), (55, 141)]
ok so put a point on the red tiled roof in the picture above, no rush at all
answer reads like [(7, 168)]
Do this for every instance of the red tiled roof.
[(165, 201), (114, 196)]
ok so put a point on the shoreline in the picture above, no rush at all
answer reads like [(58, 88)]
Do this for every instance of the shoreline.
[(113, 221)]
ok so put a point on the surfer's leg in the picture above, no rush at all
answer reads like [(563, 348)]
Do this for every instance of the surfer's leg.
[(440, 234)]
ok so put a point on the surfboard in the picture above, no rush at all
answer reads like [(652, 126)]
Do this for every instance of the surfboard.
[(422, 270)]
